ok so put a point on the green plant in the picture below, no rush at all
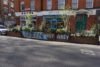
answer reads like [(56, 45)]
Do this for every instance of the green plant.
[(26, 28), (16, 29), (29, 20), (52, 30), (86, 33), (61, 30)]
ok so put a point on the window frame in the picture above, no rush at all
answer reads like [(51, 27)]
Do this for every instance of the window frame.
[(32, 7), (49, 4), (89, 3), (74, 3), (61, 3), (22, 4)]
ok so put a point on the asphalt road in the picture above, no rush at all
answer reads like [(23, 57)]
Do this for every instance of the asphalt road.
[(17, 52)]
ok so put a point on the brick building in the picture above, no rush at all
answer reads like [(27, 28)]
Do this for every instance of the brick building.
[(82, 13), (7, 12), (0, 11)]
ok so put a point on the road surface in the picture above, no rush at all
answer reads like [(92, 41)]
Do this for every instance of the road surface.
[(18, 52)]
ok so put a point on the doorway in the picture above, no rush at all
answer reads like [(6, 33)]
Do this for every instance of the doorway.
[(81, 21)]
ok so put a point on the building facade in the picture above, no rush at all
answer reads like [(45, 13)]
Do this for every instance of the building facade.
[(7, 12), (81, 14)]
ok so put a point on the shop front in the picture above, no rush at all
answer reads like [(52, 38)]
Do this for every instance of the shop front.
[(53, 22)]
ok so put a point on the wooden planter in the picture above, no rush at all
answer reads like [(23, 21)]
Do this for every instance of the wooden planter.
[(14, 34), (84, 40)]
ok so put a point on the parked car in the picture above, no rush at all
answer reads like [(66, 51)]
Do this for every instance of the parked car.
[(3, 30)]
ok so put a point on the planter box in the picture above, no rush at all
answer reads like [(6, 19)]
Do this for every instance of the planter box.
[(84, 40), (14, 34), (62, 37), (50, 36), (37, 35), (33, 35), (26, 34)]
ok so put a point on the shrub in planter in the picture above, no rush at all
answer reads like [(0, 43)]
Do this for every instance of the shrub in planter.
[(28, 29), (62, 31), (51, 30), (16, 29)]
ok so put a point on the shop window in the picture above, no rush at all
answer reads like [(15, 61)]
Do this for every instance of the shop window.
[(61, 4), (23, 23), (5, 10), (54, 23), (89, 3), (32, 4), (49, 4), (74, 4)]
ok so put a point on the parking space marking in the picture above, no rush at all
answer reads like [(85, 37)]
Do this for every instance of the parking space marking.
[(87, 52)]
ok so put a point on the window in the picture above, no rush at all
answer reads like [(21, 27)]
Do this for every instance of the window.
[(5, 2), (89, 3), (61, 4), (12, 4), (5, 9), (32, 4), (49, 4), (22, 6), (74, 3)]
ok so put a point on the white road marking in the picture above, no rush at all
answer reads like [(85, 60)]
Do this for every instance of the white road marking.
[(87, 52)]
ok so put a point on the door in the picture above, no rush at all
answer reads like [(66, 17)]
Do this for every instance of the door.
[(81, 20)]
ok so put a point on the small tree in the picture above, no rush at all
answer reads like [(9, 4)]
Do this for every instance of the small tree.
[(28, 26), (28, 19)]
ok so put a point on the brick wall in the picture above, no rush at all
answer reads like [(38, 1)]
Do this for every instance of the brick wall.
[(17, 5), (72, 22), (38, 4), (91, 21), (82, 4), (96, 3), (44, 4)]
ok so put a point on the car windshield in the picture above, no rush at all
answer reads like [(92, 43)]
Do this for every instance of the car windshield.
[(2, 27)]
